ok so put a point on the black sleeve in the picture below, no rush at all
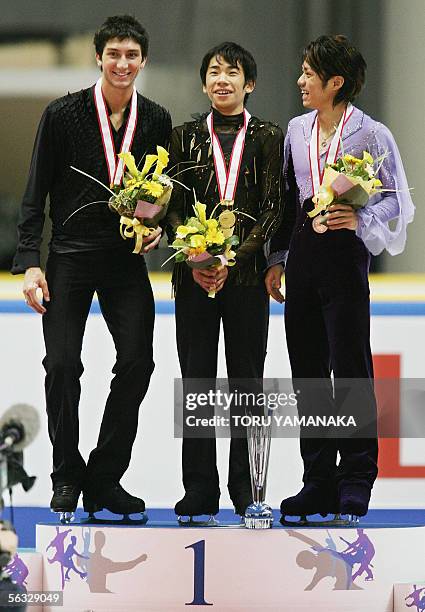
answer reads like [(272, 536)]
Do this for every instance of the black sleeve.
[(166, 130), (175, 215), (271, 202), (282, 237), (31, 217)]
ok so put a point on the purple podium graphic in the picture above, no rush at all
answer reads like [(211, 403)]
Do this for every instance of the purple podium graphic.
[(65, 556), (90, 565), (17, 571), (416, 598), (328, 562), (360, 552)]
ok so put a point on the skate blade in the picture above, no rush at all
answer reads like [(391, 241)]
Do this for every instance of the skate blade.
[(125, 520), (189, 521), (337, 521), (65, 518)]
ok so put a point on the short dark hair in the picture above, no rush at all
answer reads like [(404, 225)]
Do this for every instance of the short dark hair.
[(332, 56), (121, 27), (233, 54)]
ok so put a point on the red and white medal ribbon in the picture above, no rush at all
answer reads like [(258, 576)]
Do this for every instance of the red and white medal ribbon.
[(227, 178), (115, 166), (331, 153)]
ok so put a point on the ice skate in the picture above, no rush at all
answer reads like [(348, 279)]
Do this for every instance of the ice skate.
[(196, 504), (118, 501)]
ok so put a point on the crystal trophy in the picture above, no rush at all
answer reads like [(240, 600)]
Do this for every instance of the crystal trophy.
[(258, 515)]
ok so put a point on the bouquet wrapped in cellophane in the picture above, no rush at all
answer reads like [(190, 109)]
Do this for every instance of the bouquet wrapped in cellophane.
[(349, 180), (143, 198), (204, 243)]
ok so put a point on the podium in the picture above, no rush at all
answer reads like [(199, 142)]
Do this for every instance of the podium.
[(160, 566)]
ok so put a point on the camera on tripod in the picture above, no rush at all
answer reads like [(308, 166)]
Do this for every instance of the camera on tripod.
[(18, 427)]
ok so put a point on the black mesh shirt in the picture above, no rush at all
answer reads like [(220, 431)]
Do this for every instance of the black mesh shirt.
[(258, 193), (69, 135)]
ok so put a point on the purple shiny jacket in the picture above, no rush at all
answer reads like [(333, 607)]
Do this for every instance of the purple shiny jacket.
[(361, 132)]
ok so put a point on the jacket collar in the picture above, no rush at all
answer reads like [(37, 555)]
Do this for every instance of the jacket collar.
[(354, 124)]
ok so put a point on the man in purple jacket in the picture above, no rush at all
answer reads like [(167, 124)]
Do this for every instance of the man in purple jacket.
[(327, 314)]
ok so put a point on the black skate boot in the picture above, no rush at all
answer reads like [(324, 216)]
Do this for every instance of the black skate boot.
[(197, 503), (114, 498), (354, 500), (65, 500), (314, 498), (241, 500)]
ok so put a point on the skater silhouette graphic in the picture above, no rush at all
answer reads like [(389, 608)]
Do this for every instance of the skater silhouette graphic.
[(68, 560), (100, 566), (58, 543), (83, 561), (360, 552), (417, 600), (17, 570), (327, 562)]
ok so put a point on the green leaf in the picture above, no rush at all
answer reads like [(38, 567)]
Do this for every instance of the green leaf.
[(232, 240), (194, 221), (179, 243)]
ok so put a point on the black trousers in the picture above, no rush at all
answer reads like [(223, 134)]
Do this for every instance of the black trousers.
[(244, 311), (126, 301), (327, 321)]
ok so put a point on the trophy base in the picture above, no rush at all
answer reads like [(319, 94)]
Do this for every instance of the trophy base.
[(337, 521), (258, 523), (258, 516), (189, 521)]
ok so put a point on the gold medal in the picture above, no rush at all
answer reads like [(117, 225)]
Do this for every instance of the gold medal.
[(319, 224), (227, 219), (227, 232), (227, 204)]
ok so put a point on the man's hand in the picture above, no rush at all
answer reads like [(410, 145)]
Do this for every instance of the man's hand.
[(211, 279), (273, 282), (342, 216), (151, 241), (34, 279)]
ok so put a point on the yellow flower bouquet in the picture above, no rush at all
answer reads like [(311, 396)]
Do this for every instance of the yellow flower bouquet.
[(143, 198), (203, 243), (349, 180)]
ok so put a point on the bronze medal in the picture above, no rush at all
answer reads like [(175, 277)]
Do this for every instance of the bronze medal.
[(319, 224)]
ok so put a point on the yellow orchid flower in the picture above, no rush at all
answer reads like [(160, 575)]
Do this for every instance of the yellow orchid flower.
[(200, 212), (149, 162), (229, 255), (162, 161), (129, 161), (153, 188), (184, 230), (198, 242), (367, 157), (211, 223)]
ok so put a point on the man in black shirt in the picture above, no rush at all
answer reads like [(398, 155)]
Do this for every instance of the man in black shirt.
[(249, 182), (86, 130)]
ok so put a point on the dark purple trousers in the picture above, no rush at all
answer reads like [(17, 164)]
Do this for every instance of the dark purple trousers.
[(327, 321)]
